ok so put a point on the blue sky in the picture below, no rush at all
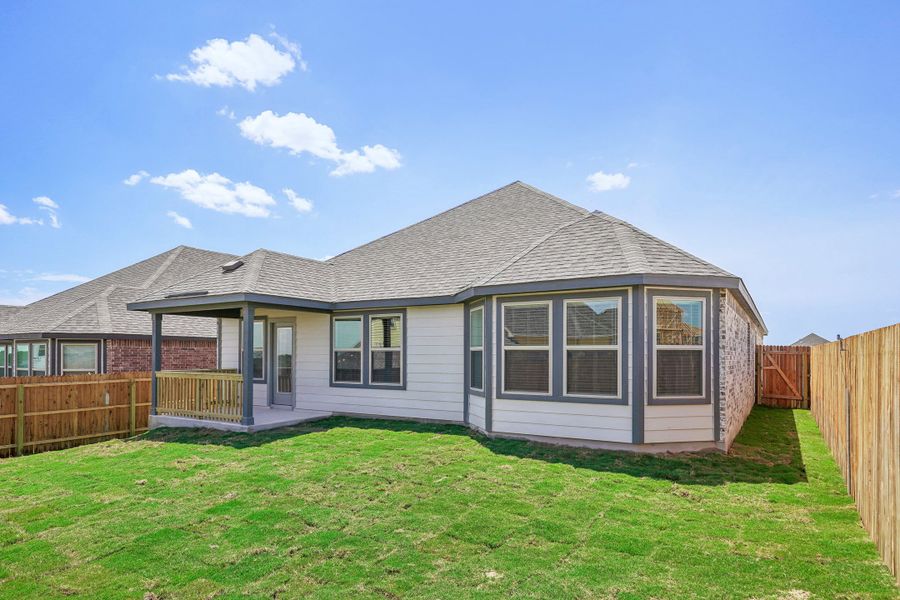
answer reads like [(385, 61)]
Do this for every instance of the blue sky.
[(763, 137)]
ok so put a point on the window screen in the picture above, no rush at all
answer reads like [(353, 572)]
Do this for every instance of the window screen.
[(79, 358), (592, 347), (526, 348), (476, 348), (679, 347), (385, 342), (347, 350)]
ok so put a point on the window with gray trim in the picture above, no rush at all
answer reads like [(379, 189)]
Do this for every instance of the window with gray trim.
[(5, 360), (78, 357), (347, 338), (526, 347), (680, 347), (386, 349), (592, 347), (259, 348), (476, 348)]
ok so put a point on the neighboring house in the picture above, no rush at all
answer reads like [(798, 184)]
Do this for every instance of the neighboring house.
[(811, 340), (87, 329), (517, 314)]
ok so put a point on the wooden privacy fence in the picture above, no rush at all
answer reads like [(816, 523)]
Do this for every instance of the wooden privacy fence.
[(49, 413), (215, 395), (782, 376), (856, 402)]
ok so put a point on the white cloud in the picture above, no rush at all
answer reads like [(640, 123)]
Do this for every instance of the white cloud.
[(226, 112), (219, 193), (66, 277), (6, 218), (301, 204), (180, 220), (604, 182), (45, 201), (136, 178), (896, 194), (247, 63), (300, 133), (24, 296), (633, 165)]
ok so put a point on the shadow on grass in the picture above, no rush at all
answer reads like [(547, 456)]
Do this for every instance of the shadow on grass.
[(766, 451)]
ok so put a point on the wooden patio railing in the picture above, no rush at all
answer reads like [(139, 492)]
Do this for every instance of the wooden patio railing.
[(211, 395)]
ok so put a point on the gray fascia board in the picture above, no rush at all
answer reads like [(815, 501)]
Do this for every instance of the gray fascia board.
[(199, 303)]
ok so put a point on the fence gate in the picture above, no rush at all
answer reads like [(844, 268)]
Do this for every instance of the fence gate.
[(782, 376)]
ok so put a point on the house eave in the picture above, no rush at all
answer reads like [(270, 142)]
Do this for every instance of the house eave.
[(211, 303)]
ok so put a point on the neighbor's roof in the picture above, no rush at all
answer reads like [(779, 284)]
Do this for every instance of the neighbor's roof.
[(99, 306), (811, 340), (516, 234), (7, 312)]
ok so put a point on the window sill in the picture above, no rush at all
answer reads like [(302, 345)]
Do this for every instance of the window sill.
[(566, 399), (672, 401), (368, 386)]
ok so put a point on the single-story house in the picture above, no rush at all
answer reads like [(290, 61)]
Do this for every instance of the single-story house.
[(516, 313), (813, 339), (87, 328)]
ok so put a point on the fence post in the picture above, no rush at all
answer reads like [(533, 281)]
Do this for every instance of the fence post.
[(20, 419), (132, 408)]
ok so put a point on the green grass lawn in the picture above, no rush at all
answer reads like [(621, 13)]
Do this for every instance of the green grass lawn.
[(348, 508)]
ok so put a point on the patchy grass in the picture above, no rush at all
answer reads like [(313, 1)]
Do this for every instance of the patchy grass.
[(379, 509)]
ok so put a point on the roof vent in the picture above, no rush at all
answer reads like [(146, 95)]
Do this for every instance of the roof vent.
[(187, 294), (233, 265)]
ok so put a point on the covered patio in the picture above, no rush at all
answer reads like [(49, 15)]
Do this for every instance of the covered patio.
[(215, 398)]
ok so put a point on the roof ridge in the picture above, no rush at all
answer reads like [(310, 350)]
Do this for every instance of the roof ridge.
[(104, 317), (526, 251), (173, 254), (458, 206), (663, 242), (253, 269), (296, 256), (557, 199), (632, 253)]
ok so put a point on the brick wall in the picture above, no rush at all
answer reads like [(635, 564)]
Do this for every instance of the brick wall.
[(135, 355), (739, 336)]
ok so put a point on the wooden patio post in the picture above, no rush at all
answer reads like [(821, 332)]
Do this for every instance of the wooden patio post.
[(155, 357), (247, 366)]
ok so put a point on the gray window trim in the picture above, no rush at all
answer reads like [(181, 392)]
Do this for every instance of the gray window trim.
[(366, 316), (60, 348), (265, 321), (709, 319), (467, 336), (557, 347)]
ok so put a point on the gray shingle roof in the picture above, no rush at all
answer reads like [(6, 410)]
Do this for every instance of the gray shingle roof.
[(7, 312), (99, 306), (511, 235), (812, 339)]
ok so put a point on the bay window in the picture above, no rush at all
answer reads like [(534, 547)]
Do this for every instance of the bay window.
[(347, 339), (526, 347), (592, 349), (476, 348), (679, 347)]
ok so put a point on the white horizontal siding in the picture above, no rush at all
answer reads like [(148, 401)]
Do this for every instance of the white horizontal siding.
[(598, 422), (434, 347), (229, 344), (476, 411), (678, 423)]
